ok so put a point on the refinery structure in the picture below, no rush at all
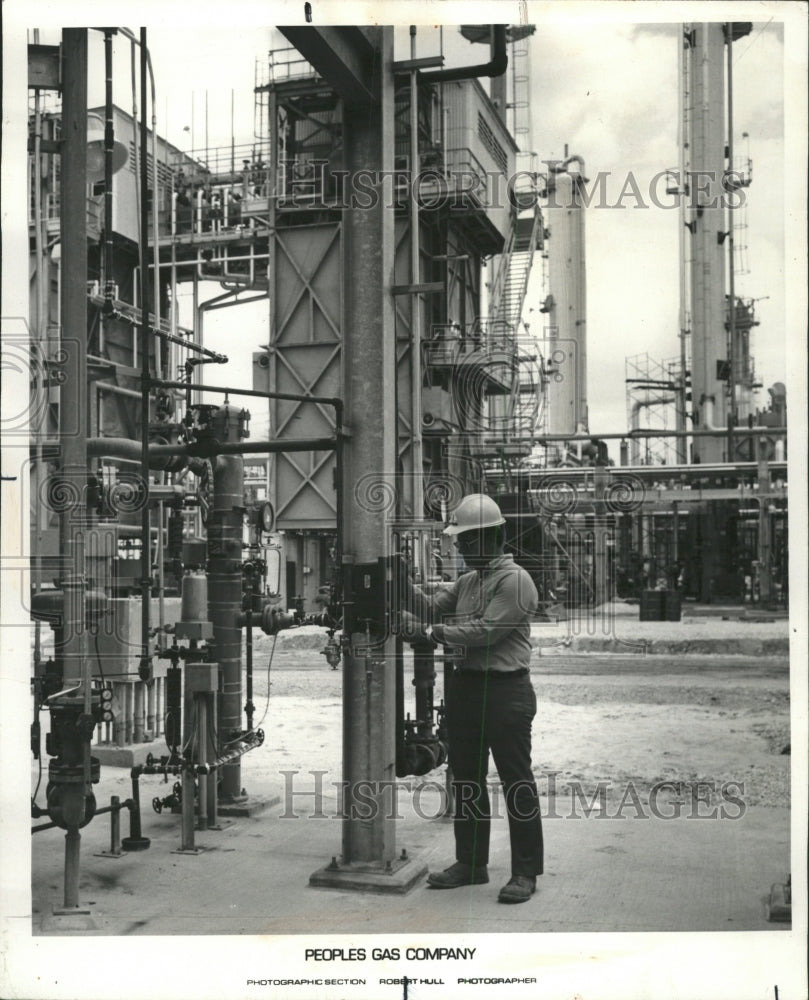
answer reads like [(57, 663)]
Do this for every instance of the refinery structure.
[(395, 216)]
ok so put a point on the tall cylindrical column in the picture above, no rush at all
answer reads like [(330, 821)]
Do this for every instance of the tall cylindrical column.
[(706, 226), (567, 342), (225, 585)]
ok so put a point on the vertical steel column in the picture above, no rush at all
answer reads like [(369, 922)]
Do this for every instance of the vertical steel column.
[(369, 373), (146, 524), (73, 426)]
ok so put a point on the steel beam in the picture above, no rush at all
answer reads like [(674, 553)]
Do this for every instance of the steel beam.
[(343, 56), (369, 860), (369, 367)]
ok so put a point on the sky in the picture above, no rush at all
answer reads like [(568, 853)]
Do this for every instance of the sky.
[(607, 90)]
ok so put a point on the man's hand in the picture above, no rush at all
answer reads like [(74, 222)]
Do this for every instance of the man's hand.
[(411, 629)]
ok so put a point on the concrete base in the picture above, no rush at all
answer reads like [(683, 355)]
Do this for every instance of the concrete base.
[(370, 877), (64, 920), (779, 904), (250, 805), (128, 756)]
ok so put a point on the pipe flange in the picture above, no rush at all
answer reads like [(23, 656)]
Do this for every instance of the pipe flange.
[(72, 774)]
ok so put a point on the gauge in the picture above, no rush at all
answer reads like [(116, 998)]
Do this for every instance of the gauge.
[(265, 516)]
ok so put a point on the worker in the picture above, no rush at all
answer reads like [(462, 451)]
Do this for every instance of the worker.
[(490, 700)]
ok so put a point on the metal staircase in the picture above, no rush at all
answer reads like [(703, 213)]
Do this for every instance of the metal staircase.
[(514, 417), (511, 282)]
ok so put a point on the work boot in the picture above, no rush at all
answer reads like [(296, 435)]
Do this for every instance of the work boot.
[(457, 875), (519, 889)]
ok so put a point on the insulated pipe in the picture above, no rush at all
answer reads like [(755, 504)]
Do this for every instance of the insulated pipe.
[(637, 406), (731, 255), (130, 451), (225, 585), (706, 417), (416, 442), (73, 433), (496, 66), (202, 753), (73, 407), (42, 270), (146, 556), (109, 149)]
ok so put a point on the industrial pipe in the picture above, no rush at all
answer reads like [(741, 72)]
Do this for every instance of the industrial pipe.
[(73, 433), (731, 253), (496, 66), (615, 436), (135, 841), (251, 741), (637, 406), (130, 451), (146, 554), (225, 581), (334, 401), (113, 808), (109, 149), (706, 417), (42, 268), (416, 441)]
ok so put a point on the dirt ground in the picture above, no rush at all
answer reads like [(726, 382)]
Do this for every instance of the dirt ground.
[(601, 719)]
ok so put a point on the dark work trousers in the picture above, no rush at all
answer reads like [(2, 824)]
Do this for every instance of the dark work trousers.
[(485, 713)]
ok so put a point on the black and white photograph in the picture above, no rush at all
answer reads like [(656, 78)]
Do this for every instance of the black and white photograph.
[(404, 528)]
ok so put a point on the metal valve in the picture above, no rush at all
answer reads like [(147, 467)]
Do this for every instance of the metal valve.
[(332, 651)]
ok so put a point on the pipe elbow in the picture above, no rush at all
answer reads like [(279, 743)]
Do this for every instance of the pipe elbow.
[(499, 60)]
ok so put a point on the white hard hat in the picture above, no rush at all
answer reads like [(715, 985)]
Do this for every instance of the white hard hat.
[(473, 513)]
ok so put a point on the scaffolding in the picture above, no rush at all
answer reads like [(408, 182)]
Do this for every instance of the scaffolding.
[(654, 391)]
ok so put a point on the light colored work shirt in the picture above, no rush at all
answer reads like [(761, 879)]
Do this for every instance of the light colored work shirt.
[(488, 614)]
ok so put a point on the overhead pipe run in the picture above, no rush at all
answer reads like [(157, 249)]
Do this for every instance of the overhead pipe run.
[(496, 66)]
